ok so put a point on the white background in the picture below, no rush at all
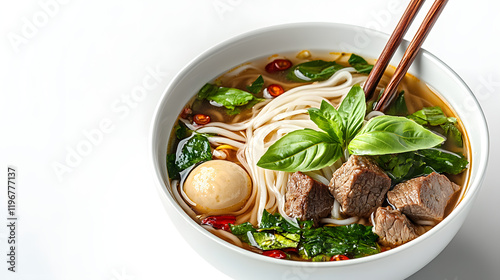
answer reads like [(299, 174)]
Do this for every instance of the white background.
[(69, 68)]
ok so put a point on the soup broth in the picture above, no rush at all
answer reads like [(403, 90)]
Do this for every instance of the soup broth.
[(226, 202)]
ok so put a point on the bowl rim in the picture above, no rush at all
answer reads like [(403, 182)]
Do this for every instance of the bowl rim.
[(472, 190)]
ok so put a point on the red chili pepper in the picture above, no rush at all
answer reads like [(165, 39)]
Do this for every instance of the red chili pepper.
[(278, 65), (291, 250), (186, 112), (220, 222), (339, 258), (277, 254), (275, 90), (201, 119)]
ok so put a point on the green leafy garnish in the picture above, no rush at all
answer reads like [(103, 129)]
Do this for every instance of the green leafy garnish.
[(434, 117), (307, 149), (404, 166), (303, 150), (231, 98), (391, 134), (398, 107), (192, 150), (257, 85), (315, 70), (316, 244), (360, 64), (353, 240)]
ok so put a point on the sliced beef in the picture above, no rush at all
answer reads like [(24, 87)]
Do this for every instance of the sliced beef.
[(306, 198), (394, 228), (423, 198), (360, 186)]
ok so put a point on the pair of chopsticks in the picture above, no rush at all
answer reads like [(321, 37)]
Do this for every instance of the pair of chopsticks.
[(409, 56)]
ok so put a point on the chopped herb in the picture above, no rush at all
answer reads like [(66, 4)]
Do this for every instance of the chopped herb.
[(257, 85), (231, 98), (317, 244), (315, 70), (192, 150), (360, 64), (434, 117)]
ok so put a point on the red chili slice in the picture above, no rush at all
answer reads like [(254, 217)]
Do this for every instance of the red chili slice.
[(275, 90), (278, 65), (277, 254), (201, 119), (339, 258), (186, 112), (220, 222)]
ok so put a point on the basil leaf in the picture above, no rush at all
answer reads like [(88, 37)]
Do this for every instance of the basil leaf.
[(353, 240), (352, 110), (193, 150), (301, 150), (273, 241), (243, 230), (173, 173), (206, 91), (398, 107), (231, 97), (360, 64), (328, 119), (257, 85), (452, 132), (434, 116), (429, 116), (444, 161), (276, 222), (356, 59), (390, 134), (181, 130), (316, 70)]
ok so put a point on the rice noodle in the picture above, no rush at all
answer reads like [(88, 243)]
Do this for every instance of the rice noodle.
[(270, 121)]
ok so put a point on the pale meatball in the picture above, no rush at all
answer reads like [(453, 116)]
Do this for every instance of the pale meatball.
[(218, 186)]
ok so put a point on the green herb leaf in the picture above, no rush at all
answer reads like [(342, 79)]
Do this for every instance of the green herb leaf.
[(452, 132), (360, 64), (206, 91), (316, 70), (193, 150), (390, 134), (444, 161), (328, 119), (352, 110), (353, 240), (257, 85), (303, 150), (173, 173), (434, 116), (405, 166), (429, 116), (231, 97), (398, 107), (273, 241), (276, 222)]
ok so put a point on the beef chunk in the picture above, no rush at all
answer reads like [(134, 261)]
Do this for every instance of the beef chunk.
[(423, 198), (307, 199), (393, 227), (360, 186)]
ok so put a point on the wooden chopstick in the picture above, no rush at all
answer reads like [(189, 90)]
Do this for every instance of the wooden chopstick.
[(410, 54), (391, 46)]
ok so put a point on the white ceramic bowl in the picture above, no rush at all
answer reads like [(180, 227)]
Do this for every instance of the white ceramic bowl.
[(238, 263)]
